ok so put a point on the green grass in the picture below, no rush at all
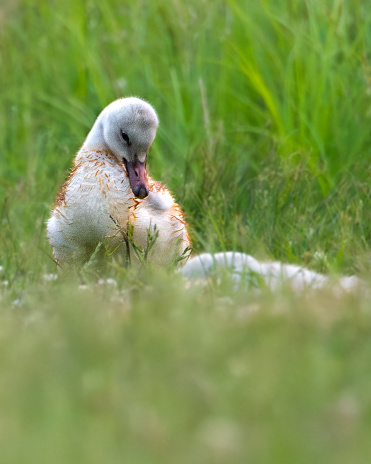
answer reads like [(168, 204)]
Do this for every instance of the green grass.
[(264, 139)]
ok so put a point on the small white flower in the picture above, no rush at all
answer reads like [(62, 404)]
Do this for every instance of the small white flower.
[(121, 83), (50, 277)]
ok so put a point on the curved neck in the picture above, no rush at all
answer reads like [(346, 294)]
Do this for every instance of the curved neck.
[(95, 137)]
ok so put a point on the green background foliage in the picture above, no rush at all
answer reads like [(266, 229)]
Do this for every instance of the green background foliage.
[(264, 140)]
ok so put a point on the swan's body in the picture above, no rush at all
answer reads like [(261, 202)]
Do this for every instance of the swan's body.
[(109, 189), (244, 269)]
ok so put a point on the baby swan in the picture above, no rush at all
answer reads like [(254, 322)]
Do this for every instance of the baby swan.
[(110, 197)]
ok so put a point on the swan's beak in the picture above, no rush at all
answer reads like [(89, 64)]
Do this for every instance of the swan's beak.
[(138, 178)]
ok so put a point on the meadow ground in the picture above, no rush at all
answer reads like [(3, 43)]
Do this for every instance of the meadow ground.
[(264, 139)]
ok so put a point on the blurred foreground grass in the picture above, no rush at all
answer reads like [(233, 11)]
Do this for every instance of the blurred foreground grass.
[(264, 139), (163, 375)]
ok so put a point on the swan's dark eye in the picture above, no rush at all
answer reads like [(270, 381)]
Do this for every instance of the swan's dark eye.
[(125, 137)]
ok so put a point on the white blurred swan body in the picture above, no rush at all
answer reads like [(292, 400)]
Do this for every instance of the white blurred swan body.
[(243, 268)]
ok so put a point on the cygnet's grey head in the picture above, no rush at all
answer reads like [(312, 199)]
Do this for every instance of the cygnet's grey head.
[(128, 127)]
